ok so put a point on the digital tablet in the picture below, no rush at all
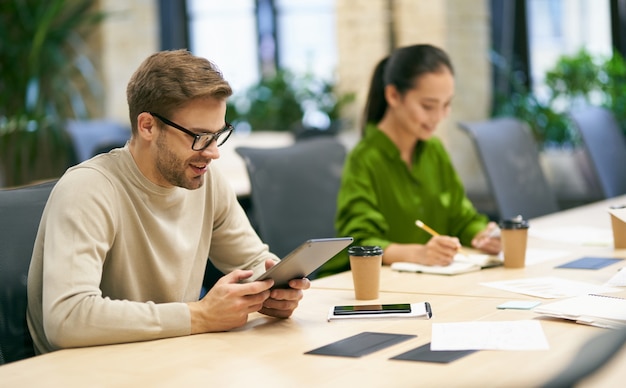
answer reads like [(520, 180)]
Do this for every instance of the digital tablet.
[(305, 259)]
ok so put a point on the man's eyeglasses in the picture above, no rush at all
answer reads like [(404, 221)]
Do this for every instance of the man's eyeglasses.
[(200, 141)]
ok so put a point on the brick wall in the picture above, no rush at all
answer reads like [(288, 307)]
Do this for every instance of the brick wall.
[(128, 36)]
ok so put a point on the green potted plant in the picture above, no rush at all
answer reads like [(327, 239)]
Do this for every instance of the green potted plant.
[(285, 101), (270, 104), (46, 77), (549, 127), (574, 80), (612, 83)]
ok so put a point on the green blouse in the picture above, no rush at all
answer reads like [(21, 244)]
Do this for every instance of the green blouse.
[(380, 198)]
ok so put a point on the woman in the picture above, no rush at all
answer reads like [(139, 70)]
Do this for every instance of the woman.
[(399, 173)]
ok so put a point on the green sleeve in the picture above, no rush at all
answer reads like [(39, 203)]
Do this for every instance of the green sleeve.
[(357, 214)]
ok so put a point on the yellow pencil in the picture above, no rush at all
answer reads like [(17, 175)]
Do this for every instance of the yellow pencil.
[(425, 227), (431, 231)]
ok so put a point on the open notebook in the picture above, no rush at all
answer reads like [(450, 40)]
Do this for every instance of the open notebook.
[(596, 310), (461, 264)]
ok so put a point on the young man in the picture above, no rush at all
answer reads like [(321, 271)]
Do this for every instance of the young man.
[(125, 237)]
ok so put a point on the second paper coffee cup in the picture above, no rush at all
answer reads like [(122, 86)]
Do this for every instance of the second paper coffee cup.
[(514, 234), (365, 263)]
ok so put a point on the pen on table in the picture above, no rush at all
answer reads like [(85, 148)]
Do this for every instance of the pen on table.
[(432, 232)]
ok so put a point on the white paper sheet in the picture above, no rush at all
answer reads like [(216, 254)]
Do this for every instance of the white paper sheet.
[(537, 256), (550, 287), (619, 279), (575, 234), (504, 335)]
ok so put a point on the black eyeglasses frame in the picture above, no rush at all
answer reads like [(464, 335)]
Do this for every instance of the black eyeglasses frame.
[(210, 137)]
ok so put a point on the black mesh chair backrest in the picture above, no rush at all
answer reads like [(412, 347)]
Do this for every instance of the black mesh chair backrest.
[(510, 159), (20, 213), (294, 190), (605, 145)]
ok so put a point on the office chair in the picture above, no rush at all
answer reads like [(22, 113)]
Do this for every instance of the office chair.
[(592, 356), (91, 137), (294, 190), (510, 159), (605, 147), (20, 213)]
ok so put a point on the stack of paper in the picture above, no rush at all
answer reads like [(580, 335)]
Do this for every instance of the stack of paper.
[(596, 310), (619, 279)]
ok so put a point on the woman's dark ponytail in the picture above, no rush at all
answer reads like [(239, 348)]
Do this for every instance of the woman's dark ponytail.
[(376, 104)]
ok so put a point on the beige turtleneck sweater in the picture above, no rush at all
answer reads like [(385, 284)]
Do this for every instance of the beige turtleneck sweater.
[(117, 257)]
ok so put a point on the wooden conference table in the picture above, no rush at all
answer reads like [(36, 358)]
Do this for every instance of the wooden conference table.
[(270, 352), (594, 216)]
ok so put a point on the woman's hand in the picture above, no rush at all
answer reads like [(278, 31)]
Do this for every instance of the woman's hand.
[(488, 240)]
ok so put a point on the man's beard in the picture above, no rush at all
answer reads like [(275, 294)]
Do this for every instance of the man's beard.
[(173, 169)]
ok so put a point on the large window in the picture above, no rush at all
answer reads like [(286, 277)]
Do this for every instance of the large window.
[(244, 37), (225, 33), (307, 36), (563, 27)]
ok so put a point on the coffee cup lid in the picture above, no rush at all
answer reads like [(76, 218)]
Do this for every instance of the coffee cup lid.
[(367, 250), (517, 222)]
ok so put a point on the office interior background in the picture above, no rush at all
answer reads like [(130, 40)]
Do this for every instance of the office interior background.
[(490, 43)]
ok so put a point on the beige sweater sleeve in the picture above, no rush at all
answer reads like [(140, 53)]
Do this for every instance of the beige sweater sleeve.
[(234, 242)]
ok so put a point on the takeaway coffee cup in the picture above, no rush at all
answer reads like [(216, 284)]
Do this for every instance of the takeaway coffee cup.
[(365, 263), (514, 235), (618, 225)]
